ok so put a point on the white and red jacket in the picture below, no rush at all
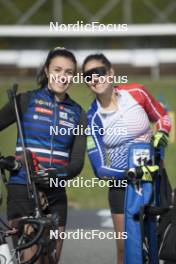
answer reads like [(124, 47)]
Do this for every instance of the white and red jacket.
[(152, 107), (131, 122)]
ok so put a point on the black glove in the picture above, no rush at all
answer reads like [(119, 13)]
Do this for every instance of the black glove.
[(10, 163), (43, 176), (160, 139)]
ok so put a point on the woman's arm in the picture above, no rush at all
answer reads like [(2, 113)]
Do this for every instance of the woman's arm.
[(155, 111), (78, 150), (7, 113), (7, 116), (97, 156)]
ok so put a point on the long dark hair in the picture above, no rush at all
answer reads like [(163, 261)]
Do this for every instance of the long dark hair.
[(98, 56), (42, 79)]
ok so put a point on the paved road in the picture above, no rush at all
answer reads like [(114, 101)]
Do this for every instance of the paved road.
[(81, 251), (89, 251), (85, 251)]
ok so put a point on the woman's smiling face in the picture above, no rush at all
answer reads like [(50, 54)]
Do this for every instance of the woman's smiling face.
[(98, 83), (60, 73)]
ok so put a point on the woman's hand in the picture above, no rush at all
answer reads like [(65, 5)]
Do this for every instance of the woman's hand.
[(160, 139), (142, 173), (10, 163), (43, 200)]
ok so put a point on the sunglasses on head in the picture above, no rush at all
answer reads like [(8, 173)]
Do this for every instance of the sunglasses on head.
[(95, 72)]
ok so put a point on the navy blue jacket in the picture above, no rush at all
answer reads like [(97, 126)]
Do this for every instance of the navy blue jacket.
[(48, 132)]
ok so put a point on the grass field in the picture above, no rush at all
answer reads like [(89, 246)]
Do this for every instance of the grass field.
[(89, 197)]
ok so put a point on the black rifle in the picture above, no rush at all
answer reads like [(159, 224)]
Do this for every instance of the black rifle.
[(31, 187)]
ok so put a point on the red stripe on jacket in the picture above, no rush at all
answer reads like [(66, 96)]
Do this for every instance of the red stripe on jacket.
[(152, 107)]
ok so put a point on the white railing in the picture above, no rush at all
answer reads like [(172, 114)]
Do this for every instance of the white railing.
[(134, 57), (94, 31)]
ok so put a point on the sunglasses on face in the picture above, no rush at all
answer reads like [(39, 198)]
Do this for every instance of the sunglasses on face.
[(95, 72)]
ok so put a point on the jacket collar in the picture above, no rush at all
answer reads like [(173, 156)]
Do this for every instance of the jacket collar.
[(50, 94), (94, 105)]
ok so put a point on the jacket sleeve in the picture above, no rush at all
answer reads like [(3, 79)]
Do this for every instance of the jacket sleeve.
[(7, 113), (7, 116), (155, 111), (97, 156)]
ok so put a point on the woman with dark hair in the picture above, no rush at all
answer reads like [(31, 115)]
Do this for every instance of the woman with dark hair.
[(58, 155), (127, 110)]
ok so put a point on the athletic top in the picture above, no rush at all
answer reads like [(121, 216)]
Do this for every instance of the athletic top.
[(113, 132), (58, 148)]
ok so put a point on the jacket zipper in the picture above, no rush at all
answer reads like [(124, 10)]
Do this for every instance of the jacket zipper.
[(52, 137)]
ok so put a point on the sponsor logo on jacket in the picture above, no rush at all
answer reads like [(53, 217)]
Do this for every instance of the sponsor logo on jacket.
[(65, 123), (43, 111)]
